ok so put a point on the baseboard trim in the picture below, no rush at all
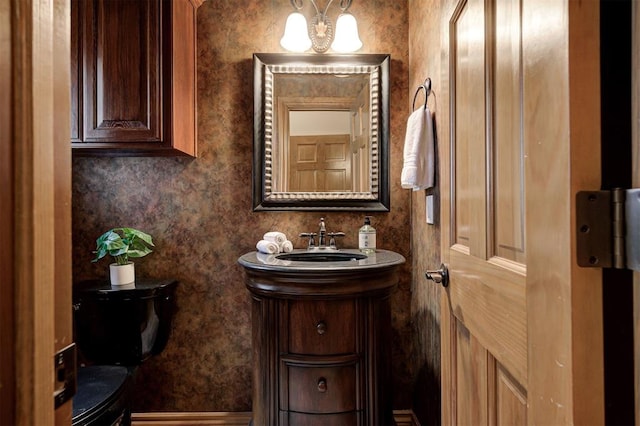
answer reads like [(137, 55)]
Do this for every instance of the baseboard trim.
[(227, 418)]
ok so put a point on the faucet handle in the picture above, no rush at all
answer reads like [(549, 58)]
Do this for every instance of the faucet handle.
[(332, 240), (311, 236)]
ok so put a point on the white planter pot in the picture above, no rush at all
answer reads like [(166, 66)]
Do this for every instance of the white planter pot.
[(122, 274)]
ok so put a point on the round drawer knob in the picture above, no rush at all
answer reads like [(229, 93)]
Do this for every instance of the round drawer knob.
[(322, 385), (321, 327)]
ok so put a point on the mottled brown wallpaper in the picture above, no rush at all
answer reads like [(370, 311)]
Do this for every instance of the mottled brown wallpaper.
[(199, 213), (425, 32)]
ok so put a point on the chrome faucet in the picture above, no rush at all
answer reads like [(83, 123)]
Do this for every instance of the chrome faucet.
[(321, 233), (322, 238)]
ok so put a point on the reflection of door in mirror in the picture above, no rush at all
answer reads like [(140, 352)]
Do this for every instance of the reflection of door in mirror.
[(320, 163), (319, 151)]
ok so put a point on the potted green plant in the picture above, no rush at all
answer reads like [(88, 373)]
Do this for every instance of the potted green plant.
[(122, 244)]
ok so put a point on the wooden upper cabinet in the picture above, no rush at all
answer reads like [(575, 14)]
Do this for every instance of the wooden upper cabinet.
[(133, 77)]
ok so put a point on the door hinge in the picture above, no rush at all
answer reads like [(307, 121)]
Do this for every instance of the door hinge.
[(64, 369), (608, 228)]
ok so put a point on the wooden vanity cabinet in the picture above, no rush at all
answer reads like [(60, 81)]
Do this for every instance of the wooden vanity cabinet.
[(133, 77), (321, 347)]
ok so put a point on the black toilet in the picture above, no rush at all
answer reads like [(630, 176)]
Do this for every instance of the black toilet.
[(116, 329)]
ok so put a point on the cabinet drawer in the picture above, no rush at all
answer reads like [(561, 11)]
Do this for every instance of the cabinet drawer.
[(321, 389), (322, 327), (297, 419)]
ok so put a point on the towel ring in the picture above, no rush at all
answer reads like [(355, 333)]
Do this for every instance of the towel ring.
[(426, 86)]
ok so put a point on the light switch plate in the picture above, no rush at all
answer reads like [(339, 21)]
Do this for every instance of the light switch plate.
[(429, 209)]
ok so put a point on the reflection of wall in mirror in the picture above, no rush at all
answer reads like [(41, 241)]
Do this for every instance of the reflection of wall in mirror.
[(324, 85), (303, 123)]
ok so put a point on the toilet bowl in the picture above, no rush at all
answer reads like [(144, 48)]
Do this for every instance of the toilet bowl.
[(116, 329)]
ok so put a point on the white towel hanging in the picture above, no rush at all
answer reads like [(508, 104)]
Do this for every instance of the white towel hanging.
[(419, 163)]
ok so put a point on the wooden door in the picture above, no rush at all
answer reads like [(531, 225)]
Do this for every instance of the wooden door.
[(319, 163), (35, 195), (521, 323)]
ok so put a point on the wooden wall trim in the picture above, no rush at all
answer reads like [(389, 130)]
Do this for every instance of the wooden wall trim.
[(32, 103), (226, 418), (63, 331), (7, 337), (588, 403), (37, 180)]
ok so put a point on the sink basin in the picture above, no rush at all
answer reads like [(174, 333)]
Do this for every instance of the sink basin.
[(319, 256)]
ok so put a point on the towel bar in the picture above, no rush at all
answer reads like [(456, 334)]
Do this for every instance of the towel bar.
[(426, 86)]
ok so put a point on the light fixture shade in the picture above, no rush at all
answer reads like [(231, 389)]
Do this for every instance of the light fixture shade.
[(346, 39), (296, 38)]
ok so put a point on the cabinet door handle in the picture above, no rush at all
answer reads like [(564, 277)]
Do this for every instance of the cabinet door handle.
[(322, 385), (321, 327)]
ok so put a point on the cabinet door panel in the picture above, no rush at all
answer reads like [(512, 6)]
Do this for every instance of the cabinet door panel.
[(322, 327), (121, 71)]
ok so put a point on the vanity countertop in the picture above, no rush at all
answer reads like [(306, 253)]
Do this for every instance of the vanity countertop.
[(381, 259)]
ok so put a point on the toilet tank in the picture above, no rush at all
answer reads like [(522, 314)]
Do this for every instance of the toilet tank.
[(122, 326)]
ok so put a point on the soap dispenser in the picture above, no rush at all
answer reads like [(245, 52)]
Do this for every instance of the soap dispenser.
[(367, 237)]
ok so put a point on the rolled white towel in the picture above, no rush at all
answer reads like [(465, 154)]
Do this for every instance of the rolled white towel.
[(275, 237), (268, 247), (286, 247)]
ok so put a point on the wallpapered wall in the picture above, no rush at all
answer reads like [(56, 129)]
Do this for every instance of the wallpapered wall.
[(425, 32), (199, 213)]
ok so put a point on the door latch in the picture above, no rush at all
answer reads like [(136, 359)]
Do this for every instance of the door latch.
[(608, 229), (65, 375)]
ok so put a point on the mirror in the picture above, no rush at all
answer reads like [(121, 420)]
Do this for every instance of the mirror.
[(321, 132)]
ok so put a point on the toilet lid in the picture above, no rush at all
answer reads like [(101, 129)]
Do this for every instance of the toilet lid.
[(144, 288), (98, 388)]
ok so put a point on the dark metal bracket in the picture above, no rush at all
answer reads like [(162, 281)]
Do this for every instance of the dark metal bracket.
[(608, 229)]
